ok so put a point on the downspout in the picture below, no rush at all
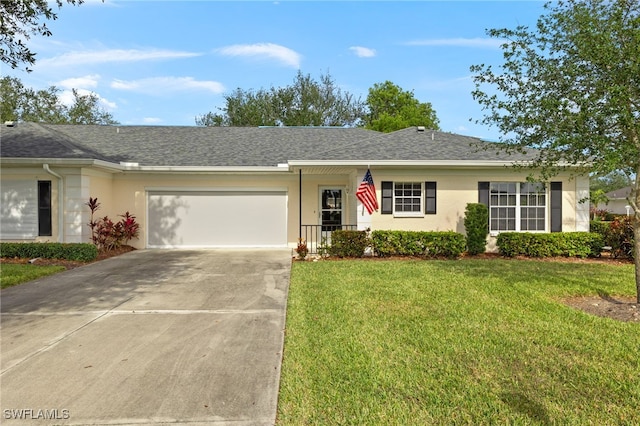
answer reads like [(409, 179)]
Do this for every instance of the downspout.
[(300, 204), (60, 202)]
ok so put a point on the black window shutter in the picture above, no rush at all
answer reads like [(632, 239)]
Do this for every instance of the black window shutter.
[(483, 193), (44, 208), (387, 198), (430, 198), (556, 206)]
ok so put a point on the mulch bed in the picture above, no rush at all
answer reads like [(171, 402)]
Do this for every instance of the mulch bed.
[(619, 308)]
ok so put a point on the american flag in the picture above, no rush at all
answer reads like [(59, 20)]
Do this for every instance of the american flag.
[(366, 193)]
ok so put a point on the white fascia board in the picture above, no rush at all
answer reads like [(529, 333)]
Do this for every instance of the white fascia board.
[(127, 167), (422, 163), (19, 161), (216, 169), (61, 162), (408, 163)]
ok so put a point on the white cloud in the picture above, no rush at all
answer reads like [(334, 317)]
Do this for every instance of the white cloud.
[(160, 85), (151, 120), (86, 82), (363, 52), (478, 42), (112, 55), (264, 50), (66, 98)]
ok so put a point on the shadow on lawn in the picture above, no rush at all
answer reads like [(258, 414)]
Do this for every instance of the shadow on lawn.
[(522, 404)]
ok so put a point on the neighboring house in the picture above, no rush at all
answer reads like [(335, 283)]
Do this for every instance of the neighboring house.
[(618, 201), (265, 186)]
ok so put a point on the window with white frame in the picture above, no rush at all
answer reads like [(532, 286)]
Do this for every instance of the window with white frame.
[(517, 206), (533, 207), (407, 197)]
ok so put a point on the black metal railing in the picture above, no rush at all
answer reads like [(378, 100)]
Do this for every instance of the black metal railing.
[(318, 237)]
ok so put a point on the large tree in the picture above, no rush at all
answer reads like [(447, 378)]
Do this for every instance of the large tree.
[(307, 102), (571, 89), (391, 108), (21, 19), (20, 103)]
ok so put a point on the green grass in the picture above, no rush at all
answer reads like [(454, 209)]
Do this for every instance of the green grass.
[(456, 342), (12, 274)]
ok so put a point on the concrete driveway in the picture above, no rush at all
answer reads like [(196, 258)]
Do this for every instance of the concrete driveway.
[(149, 337)]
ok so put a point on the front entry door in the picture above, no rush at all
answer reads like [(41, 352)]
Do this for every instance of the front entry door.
[(331, 209)]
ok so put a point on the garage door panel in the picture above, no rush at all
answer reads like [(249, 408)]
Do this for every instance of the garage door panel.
[(217, 219)]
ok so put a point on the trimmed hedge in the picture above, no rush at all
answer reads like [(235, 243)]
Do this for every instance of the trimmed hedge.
[(346, 243), (82, 252), (565, 244), (600, 227), (417, 243), (476, 224)]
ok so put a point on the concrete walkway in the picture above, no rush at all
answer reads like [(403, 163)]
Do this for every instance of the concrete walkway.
[(149, 337)]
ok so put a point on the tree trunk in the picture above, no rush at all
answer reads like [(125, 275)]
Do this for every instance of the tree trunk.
[(636, 256), (634, 198)]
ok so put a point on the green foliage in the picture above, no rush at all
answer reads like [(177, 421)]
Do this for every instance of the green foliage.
[(82, 252), (20, 103), (417, 243), (476, 225), (566, 244), (20, 20), (600, 227), (306, 102), (348, 243), (391, 109), (609, 182), (570, 87)]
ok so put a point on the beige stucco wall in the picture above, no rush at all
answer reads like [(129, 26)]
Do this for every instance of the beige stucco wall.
[(127, 191), (456, 188), (312, 184), (130, 192)]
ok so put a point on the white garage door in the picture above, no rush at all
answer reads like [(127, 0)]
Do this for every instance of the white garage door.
[(217, 219)]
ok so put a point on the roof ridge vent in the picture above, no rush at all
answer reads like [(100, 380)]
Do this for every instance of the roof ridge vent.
[(10, 123), (420, 129)]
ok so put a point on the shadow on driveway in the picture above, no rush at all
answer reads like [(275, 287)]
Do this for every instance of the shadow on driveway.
[(148, 337)]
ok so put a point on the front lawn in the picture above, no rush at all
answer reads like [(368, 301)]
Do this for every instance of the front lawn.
[(456, 342), (15, 273)]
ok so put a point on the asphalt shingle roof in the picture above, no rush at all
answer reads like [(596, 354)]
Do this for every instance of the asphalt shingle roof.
[(236, 146)]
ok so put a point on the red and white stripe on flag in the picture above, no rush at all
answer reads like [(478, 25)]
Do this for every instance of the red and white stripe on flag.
[(366, 193)]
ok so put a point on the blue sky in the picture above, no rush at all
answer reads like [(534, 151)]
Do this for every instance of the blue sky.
[(166, 62)]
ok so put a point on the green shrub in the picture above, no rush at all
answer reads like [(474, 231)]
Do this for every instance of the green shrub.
[(418, 243), (346, 243), (566, 244), (600, 227), (476, 225), (82, 252)]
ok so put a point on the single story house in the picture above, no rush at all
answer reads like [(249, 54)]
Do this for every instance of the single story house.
[(618, 201), (265, 186)]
